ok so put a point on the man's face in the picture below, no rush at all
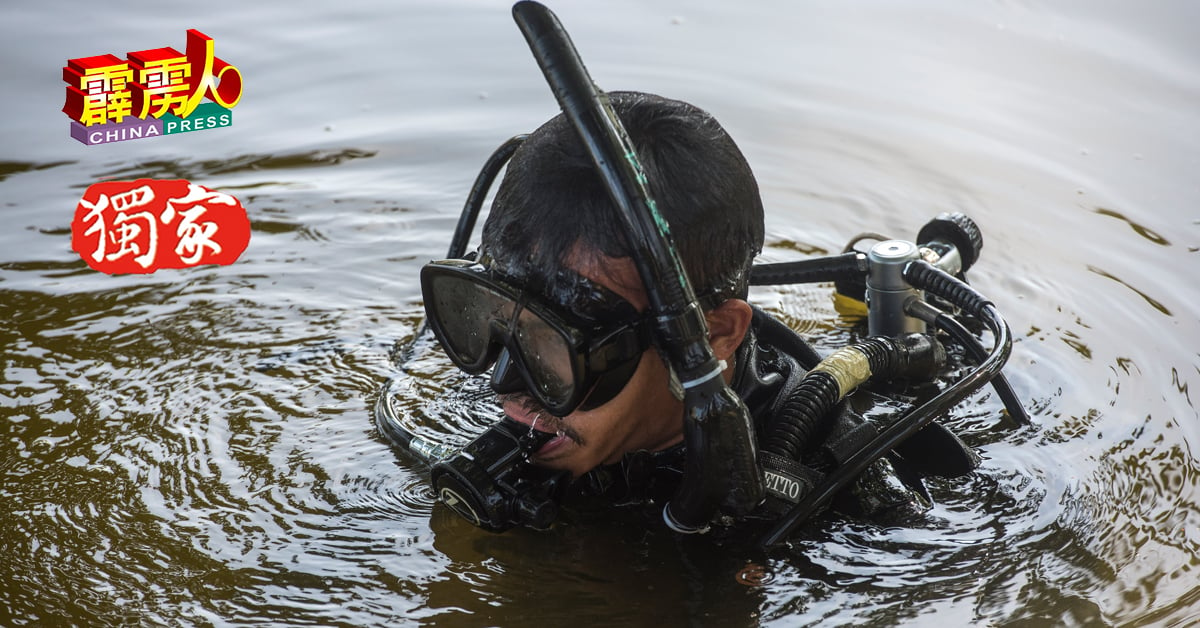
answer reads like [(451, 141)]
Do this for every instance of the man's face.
[(644, 415)]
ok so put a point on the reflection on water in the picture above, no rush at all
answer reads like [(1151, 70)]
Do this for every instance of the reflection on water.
[(195, 446), (1150, 300), (1141, 230)]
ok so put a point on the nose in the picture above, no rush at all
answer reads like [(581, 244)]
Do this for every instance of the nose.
[(506, 378)]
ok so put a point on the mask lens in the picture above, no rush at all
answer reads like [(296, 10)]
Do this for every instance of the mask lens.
[(548, 357), (464, 311), (559, 355)]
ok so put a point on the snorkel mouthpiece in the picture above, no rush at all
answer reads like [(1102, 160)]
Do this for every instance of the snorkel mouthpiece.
[(717, 434), (721, 468)]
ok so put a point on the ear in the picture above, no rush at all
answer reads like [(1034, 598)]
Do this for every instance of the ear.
[(727, 325)]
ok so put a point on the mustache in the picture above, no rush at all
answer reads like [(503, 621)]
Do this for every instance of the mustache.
[(545, 418)]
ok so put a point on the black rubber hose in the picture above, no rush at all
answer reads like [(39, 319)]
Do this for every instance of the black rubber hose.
[(483, 182), (786, 339), (928, 277), (975, 349), (924, 276), (799, 416), (834, 268), (885, 356)]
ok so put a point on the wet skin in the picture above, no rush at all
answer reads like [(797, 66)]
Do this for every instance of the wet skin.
[(644, 415)]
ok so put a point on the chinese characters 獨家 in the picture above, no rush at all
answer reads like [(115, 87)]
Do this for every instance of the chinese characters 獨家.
[(145, 225)]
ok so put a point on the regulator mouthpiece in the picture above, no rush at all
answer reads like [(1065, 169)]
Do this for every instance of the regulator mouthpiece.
[(492, 484)]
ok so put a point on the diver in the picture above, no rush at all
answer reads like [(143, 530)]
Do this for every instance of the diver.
[(559, 309), (553, 284)]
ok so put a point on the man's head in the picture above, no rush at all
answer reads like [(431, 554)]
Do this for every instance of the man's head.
[(553, 229), (552, 204)]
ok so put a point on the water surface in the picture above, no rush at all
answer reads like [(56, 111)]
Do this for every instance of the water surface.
[(195, 446)]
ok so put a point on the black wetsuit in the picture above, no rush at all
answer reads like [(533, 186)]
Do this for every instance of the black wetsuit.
[(768, 366)]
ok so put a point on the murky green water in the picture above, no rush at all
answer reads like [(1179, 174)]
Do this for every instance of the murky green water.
[(196, 447)]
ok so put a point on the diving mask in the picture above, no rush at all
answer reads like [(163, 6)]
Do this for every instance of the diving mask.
[(561, 358)]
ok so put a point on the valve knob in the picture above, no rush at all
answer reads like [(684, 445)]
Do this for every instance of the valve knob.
[(955, 229)]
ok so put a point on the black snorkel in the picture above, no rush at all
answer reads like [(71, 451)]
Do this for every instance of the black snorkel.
[(721, 471)]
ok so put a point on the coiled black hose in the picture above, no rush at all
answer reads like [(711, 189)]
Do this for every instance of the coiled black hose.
[(824, 386), (800, 415), (925, 276)]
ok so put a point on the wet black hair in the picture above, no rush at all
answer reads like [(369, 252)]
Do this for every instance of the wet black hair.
[(551, 198)]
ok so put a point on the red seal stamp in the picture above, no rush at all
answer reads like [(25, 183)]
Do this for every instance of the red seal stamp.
[(141, 226)]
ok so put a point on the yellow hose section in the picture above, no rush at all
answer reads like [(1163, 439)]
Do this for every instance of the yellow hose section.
[(848, 366)]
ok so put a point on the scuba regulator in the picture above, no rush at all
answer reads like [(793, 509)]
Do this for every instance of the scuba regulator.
[(907, 287), (491, 483)]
